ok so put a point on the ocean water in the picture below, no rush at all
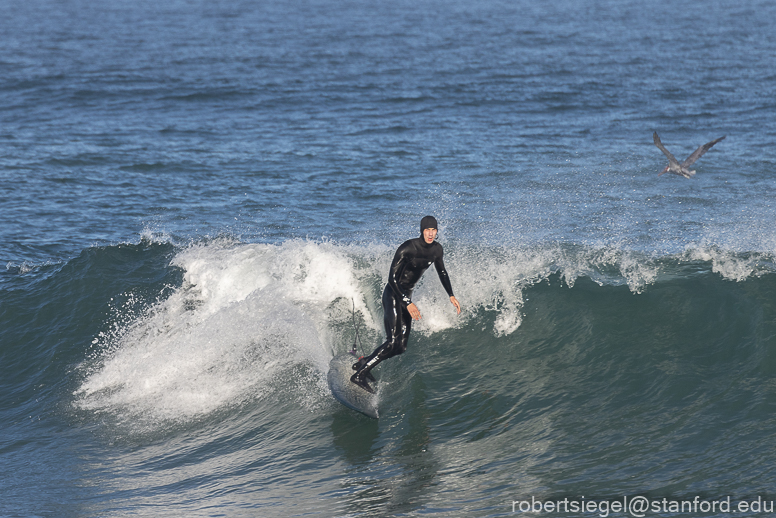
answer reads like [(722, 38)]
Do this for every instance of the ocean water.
[(200, 202)]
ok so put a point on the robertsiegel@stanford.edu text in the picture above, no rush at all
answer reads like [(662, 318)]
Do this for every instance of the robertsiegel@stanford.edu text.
[(641, 506)]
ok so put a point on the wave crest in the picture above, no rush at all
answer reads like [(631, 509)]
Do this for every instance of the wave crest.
[(245, 314)]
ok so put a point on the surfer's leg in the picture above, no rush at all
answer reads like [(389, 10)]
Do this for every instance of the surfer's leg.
[(404, 332), (397, 326), (392, 320)]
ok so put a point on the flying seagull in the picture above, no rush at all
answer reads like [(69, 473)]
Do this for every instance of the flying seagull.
[(673, 164)]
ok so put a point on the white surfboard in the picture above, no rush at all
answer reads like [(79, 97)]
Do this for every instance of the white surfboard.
[(347, 392)]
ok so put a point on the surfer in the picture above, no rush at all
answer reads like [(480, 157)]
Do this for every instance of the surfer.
[(409, 263)]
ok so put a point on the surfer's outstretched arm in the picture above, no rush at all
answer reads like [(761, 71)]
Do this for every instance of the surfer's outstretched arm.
[(439, 264)]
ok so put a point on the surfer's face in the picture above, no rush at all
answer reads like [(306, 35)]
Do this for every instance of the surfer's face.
[(429, 234)]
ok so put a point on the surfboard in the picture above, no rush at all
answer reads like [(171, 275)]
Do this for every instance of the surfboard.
[(348, 393)]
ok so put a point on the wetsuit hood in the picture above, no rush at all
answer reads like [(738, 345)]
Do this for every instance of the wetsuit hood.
[(428, 222)]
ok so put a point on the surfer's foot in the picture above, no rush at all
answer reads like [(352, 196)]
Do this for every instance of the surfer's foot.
[(360, 363), (361, 383)]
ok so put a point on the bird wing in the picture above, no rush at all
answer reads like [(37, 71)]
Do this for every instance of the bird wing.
[(699, 152), (671, 158)]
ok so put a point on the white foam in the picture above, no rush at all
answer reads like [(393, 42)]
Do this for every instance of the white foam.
[(244, 314), (27, 267), (733, 266), (156, 233)]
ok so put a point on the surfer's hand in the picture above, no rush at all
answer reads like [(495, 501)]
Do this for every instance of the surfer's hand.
[(414, 311), (456, 304)]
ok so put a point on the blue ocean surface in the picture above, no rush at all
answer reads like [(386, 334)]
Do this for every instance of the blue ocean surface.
[(200, 202)]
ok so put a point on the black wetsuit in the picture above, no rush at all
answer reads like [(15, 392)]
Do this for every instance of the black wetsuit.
[(409, 263)]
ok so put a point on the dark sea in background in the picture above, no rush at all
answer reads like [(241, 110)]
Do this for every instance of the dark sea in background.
[(199, 198)]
